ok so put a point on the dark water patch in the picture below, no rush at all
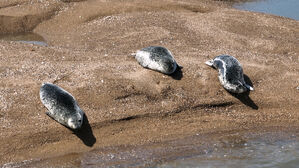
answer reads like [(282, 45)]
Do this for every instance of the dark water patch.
[(286, 8), (28, 37)]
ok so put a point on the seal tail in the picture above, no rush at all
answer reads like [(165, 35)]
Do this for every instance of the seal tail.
[(210, 62)]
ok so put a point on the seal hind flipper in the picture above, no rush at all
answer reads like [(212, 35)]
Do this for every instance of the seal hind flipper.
[(210, 62), (133, 54)]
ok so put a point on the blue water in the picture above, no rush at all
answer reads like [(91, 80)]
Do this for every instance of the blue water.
[(286, 8), (255, 154), (27, 37)]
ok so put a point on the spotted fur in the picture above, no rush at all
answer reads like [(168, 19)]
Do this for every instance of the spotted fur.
[(62, 106), (230, 74), (157, 58)]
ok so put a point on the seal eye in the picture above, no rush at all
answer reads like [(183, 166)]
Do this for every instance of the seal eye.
[(79, 120)]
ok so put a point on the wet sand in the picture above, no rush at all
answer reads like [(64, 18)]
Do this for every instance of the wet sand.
[(89, 54)]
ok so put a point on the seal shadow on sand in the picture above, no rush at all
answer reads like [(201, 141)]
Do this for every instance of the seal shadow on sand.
[(177, 74), (244, 97), (85, 133)]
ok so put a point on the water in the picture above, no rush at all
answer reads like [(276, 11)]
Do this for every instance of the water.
[(28, 37), (255, 154), (258, 150), (286, 8)]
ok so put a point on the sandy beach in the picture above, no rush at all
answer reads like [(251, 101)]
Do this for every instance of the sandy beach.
[(89, 54)]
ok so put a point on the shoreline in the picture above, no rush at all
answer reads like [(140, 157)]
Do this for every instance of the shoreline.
[(90, 43), (203, 146)]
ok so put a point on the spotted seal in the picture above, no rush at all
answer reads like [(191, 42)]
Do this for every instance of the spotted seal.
[(156, 58), (230, 73), (62, 106)]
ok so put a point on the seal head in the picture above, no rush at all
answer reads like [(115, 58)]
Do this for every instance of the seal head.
[(157, 58), (230, 74), (62, 106)]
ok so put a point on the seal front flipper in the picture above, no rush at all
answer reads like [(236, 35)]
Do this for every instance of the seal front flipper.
[(179, 66), (248, 87), (50, 115)]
